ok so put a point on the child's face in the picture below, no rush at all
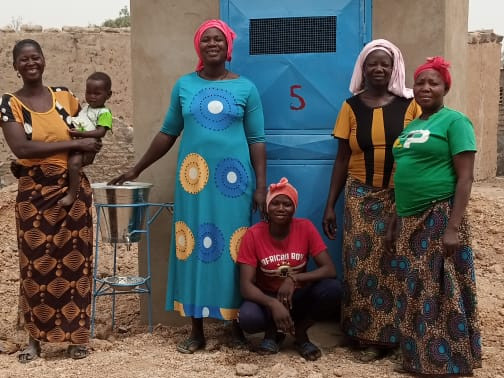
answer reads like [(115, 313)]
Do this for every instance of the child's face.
[(96, 93)]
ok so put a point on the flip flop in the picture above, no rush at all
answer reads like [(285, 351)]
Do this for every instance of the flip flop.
[(190, 345), (77, 352), (28, 354), (308, 351), (270, 346)]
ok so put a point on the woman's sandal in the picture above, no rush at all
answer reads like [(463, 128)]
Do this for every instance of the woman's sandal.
[(270, 346), (191, 345), (77, 352), (29, 354), (308, 351)]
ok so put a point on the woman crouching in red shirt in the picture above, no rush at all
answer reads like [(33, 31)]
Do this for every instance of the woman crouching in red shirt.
[(281, 296)]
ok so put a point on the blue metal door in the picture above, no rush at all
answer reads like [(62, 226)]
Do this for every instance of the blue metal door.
[(300, 54)]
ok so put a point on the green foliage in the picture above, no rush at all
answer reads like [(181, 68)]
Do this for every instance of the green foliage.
[(120, 22)]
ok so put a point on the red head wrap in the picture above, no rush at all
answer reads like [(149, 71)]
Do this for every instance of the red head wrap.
[(282, 187), (440, 65), (224, 28)]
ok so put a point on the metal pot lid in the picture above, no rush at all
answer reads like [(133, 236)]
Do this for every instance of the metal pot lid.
[(125, 185)]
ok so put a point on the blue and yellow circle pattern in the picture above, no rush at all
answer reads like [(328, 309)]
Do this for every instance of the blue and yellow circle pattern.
[(184, 241), (231, 177), (234, 243), (214, 108), (194, 173), (210, 242)]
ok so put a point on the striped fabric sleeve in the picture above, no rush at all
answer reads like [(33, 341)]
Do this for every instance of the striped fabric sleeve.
[(343, 123)]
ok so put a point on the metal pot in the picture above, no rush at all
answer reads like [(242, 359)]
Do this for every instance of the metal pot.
[(121, 212)]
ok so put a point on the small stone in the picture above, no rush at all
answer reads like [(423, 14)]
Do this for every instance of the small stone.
[(212, 344), (101, 345), (246, 370), (497, 268), (123, 329), (501, 312), (103, 331), (8, 347), (282, 371), (338, 374)]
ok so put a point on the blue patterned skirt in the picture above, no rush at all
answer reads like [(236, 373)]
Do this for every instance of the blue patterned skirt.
[(372, 279), (437, 310)]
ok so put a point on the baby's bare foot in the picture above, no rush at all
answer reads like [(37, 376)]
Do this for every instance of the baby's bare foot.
[(68, 200)]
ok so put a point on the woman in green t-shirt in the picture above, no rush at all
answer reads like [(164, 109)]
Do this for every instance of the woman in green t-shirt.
[(435, 160)]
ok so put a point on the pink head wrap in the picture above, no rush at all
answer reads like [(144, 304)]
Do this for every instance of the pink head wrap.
[(282, 187), (439, 64), (224, 28), (397, 83)]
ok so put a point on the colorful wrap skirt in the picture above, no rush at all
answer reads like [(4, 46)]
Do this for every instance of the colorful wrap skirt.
[(55, 246), (437, 309), (372, 280)]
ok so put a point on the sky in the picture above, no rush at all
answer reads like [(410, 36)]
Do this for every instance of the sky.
[(483, 14), (58, 13)]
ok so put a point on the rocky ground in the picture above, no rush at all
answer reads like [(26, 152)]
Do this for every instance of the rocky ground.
[(130, 351)]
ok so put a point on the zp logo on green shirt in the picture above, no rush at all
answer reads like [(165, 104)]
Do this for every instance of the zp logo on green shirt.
[(423, 153)]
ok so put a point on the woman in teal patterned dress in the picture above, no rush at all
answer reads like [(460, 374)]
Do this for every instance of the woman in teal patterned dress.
[(220, 177)]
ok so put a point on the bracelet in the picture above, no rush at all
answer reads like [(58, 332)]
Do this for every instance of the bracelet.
[(293, 279)]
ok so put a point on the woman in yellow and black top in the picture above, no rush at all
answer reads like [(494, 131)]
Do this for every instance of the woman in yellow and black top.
[(367, 126), (55, 242)]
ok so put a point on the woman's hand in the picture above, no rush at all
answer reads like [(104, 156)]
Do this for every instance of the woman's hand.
[(391, 235), (285, 292), (130, 175), (75, 133), (88, 145), (281, 317), (260, 201), (329, 223), (450, 241)]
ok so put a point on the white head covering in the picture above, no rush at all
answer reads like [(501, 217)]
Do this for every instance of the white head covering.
[(397, 83)]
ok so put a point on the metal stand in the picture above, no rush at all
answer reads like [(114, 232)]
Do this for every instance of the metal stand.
[(133, 285)]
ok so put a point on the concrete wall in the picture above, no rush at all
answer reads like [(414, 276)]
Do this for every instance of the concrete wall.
[(483, 58), (161, 51), (71, 55), (427, 28), (500, 130)]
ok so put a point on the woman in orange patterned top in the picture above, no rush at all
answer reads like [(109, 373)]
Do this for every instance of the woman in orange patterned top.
[(366, 128), (54, 242)]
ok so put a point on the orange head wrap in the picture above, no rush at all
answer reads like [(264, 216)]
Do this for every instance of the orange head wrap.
[(282, 187), (439, 64)]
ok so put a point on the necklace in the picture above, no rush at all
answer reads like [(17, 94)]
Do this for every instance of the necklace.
[(222, 77)]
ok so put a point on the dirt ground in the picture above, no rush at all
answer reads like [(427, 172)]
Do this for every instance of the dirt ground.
[(130, 351)]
